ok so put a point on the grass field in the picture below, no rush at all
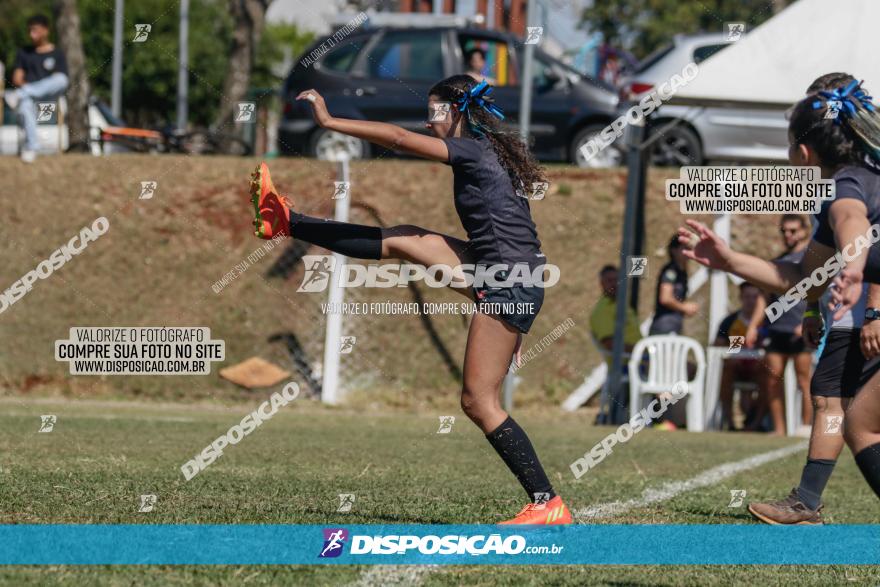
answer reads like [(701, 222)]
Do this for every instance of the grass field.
[(118, 438), (102, 456)]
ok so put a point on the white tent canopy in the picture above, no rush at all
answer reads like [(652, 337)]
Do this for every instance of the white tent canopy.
[(771, 66)]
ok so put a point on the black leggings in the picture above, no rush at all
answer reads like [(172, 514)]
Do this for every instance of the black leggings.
[(351, 240)]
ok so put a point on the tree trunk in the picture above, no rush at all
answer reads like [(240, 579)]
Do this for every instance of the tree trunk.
[(248, 17), (70, 42)]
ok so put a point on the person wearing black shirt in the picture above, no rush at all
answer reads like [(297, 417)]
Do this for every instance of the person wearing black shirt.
[(786, 339), (670, 305), (492, 175), (40, 75), (838, 131)]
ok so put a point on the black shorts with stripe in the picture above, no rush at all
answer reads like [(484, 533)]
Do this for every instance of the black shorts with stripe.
[(842, 369)]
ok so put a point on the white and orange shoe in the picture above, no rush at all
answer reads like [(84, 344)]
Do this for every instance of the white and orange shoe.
[(552, 513), (271, 209)]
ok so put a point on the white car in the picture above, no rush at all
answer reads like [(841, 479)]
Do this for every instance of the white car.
[(704, 134)]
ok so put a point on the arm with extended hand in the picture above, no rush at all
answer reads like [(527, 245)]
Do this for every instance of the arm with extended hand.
[(707, 248), (383, 134)]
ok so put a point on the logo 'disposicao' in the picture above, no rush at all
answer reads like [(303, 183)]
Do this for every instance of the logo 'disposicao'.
[(334, 540)]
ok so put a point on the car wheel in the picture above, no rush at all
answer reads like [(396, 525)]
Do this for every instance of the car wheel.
[(677, 146), (610, 156), (329, 145)]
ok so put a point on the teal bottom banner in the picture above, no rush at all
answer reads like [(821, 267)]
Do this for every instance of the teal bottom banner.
[(143, 544)]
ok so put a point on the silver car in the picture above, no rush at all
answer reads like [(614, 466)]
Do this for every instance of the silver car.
[(704, 134)]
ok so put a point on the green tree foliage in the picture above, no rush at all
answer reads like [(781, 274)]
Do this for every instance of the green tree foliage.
[(281, 43), (645, 25)]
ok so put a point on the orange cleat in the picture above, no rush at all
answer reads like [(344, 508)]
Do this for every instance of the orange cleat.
[(552, 513), (271, 209)]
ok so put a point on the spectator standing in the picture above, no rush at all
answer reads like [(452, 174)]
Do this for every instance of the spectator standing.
[(785, 333)]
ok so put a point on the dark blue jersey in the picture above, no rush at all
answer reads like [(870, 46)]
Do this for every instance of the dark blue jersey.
[(497, 220), (862, 183)]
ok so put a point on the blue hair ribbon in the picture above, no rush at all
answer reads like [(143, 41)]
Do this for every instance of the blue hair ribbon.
[(850, 97), (480, 95)]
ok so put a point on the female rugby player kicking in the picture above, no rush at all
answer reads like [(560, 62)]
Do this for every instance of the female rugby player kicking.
[(491, 170), (846, 146)]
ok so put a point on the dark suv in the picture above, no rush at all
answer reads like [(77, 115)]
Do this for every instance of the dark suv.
[(384, 74)]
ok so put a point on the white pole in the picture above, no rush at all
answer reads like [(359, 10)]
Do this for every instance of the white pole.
[(507, 390), (183, 67), (335, 296), (718, 283), (116, 80)]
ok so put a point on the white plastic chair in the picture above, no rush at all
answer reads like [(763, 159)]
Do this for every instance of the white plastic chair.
[(668, 366)]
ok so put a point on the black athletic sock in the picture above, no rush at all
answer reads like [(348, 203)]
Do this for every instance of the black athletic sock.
[(868, 461), (813, 481), (513, 446), (351, 240)]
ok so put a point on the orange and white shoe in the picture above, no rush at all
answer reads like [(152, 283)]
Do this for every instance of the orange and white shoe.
[(271, 209), (552, 513)]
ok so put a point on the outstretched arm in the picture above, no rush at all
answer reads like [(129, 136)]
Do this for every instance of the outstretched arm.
[(386, 135), (707, 248)]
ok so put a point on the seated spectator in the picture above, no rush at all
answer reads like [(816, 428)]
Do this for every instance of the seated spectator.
[(742, 329), (603, 326), (602, 320), (670, 301), (39, 73), (475, 63)]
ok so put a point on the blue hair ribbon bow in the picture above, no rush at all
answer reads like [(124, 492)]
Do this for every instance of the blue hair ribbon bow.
[(479, 95), (850, 98)]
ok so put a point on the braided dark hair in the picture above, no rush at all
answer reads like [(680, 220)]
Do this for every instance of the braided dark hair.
[(513, 154), (839, 140)]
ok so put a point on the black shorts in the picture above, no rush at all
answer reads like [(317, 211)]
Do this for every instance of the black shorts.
[(517, 305), (786, 343), (842, 369)]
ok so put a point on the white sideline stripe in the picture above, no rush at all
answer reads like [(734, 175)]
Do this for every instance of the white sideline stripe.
[(673, 489), (414, 575), (381, 575)]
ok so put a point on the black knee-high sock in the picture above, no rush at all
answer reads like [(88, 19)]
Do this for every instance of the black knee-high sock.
[(813, 480), (868, 461), (513, 446), (351, 240)]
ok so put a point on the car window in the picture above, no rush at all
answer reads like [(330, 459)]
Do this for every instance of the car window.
[(340, 59), (544, 75), (654, 57), (414, 55), (703, 53), (487, 59)]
